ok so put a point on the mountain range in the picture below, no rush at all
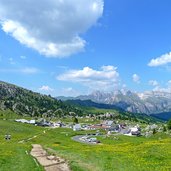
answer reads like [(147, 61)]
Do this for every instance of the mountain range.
[(150, 102), (27, 102)]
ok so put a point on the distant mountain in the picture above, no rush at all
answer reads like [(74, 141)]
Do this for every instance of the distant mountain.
[(89, 103), (90, 107), (26, 102), (152, 102)]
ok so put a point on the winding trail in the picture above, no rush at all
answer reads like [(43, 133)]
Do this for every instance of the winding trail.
[(49, 162), (35, 136)]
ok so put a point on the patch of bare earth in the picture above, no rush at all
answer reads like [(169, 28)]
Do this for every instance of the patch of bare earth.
[(49, 162)]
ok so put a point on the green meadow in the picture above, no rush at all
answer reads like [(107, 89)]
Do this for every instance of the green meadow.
[(122, 154)]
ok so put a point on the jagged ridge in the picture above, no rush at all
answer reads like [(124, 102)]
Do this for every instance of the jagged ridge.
[(148, 102)]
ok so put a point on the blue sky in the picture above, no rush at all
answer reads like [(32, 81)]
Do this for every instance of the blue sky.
[(75, 47)]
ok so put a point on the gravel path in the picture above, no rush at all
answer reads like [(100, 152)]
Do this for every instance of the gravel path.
[(49, 162)]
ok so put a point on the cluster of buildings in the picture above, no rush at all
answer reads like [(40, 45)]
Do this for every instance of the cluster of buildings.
[(41, 122), (109, 126)]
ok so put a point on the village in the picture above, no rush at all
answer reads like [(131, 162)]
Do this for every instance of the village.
[(106, 128)]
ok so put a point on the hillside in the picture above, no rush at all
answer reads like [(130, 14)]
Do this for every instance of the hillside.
[(26, 102), (164, 116)]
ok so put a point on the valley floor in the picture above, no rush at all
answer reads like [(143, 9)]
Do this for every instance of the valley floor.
[(121, 154)]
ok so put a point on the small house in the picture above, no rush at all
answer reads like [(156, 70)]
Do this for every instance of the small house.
[(134, 131), (32, 121), (22, 120), (77, 127)]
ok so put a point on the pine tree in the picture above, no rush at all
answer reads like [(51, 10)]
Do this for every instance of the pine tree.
[(75, 120), (169, 124)]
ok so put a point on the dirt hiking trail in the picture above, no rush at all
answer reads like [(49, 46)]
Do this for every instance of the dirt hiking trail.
[(49, 162)]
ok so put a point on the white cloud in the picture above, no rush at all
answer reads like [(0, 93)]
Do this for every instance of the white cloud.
[(124, 86), (26, 70), (105, 78), (169, 84), (12, 62), (69, 92), (153, 83), (167, 87), (69, 89), (156, 85), (46, 88), (162, 60), (136, 78), (51, 27), (23, 57)]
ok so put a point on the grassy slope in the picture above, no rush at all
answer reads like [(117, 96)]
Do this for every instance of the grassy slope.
[(127, 153), (12, 154)]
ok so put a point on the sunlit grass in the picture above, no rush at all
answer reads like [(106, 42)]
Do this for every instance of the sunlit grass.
[(123, 154)]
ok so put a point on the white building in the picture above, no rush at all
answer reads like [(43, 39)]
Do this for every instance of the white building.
[(134, 131), (77, 127), (32, 121)]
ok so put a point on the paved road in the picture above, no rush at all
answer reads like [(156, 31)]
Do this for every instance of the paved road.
[(78, 139)]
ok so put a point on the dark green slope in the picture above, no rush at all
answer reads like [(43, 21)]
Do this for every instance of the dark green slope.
[(89, 103), (26, 102)]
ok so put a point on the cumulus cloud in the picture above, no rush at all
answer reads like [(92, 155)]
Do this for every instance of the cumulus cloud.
[(52, 27), (46, 88), (105, 78), (156, 85), (162, 60), (136, 78), (153, 83), (166, 88)]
